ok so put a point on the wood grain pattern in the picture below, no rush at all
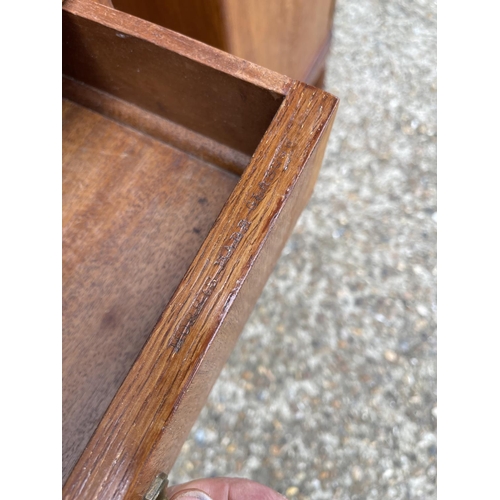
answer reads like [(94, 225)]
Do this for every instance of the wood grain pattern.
[(147, 421), (291, 37), (135, 213), (198, 19)]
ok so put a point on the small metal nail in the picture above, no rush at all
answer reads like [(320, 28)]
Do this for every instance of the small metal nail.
[(157, 486)]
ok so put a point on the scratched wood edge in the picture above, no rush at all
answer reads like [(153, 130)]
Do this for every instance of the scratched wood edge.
[(177, 428), (159, 128), (183, 45), (119, 461)]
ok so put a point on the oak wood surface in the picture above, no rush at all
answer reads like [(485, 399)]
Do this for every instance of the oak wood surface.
[(147, 421), (135, 212), (288, 36)]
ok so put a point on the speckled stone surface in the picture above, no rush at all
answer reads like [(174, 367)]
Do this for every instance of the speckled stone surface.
[(331, 390)]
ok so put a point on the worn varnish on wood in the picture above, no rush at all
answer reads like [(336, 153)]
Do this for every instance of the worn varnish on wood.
[(184, 171), (291, 37)]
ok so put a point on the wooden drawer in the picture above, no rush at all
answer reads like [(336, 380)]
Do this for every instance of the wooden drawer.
[(184, 172)]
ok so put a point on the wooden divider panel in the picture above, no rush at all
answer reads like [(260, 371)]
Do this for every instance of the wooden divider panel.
[(101, 48)]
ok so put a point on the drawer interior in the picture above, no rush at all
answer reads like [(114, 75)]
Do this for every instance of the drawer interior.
[(154, 143), (135, 212)]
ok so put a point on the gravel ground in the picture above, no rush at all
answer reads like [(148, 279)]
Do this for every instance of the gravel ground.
[(331, 390)]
